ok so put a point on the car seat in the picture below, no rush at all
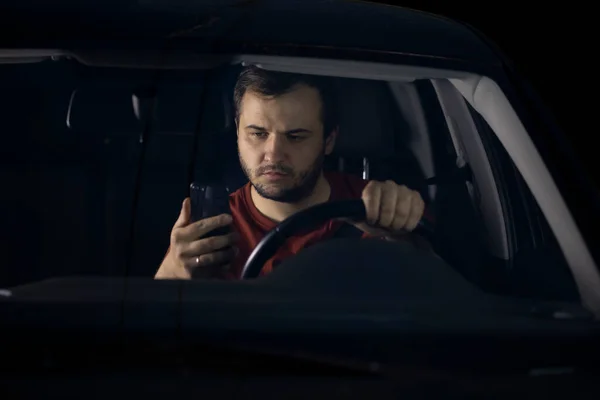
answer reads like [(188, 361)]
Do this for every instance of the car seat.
[(372, 136), (101, 119), (369, 143)]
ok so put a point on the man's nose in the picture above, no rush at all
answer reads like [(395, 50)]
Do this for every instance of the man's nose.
[(275, 148)]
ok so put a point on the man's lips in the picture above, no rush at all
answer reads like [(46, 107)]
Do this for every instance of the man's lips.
[(274, 175)]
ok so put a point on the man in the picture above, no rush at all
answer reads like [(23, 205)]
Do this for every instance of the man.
[(285, 127)]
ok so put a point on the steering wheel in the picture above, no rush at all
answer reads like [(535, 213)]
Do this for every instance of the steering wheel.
[(313, 216)]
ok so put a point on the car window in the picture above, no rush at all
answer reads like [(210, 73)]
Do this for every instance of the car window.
[(537, 267), (97, 161)]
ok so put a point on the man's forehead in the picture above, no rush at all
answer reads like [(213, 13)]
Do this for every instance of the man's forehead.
[(302, 104)]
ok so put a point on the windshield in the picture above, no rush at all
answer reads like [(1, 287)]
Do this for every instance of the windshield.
[(106, 173)]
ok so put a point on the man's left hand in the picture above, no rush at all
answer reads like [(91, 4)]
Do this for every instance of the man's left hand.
[(392, 209)]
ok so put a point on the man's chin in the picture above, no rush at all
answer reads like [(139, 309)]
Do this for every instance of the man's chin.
[(270, 191), (280, 193)]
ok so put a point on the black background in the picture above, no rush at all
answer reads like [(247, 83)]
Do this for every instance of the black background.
[(553, 45)]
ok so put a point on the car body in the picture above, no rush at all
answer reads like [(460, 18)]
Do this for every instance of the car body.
[(462, 101)]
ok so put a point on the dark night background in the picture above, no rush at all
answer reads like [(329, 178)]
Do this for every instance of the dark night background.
[(553, 46)]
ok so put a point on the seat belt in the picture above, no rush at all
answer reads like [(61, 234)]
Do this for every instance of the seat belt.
[(455, 175)]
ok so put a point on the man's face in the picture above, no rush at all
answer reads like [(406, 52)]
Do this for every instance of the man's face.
[(281, 143)]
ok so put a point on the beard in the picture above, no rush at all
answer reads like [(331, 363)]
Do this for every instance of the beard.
[(301, 186)]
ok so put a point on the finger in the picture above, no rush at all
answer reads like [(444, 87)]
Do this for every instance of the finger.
[(184, 215), (389, 198), (403, 207), (204, 226), (416, 212), (209, 245), (371, 196), (211, 259)]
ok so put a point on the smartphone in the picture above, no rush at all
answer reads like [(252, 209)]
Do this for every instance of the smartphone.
[(209, 201)]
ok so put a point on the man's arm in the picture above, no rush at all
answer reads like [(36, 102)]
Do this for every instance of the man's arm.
[(190, 253)]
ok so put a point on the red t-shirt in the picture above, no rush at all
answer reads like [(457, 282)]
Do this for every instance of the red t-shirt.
[(252, 225)]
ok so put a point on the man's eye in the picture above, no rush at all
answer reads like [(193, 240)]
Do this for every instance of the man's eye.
[(259, 134), (295, 138)]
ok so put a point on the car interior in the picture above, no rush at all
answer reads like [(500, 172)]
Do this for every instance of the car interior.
[(82, 145)]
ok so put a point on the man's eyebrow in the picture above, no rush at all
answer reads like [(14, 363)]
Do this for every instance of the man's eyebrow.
[(299, 130), (258, 128), (290, 132)]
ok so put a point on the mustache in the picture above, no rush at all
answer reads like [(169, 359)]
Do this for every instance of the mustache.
[(278, 169)]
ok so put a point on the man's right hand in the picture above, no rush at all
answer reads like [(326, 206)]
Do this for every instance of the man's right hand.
[(192, 255)]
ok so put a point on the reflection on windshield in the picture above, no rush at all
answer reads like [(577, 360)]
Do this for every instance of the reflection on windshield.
[(171, 175)]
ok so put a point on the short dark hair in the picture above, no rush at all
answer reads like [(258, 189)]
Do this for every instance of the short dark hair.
[(272, 83)]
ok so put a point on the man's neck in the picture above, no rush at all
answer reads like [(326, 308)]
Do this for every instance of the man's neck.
[(278, 211)]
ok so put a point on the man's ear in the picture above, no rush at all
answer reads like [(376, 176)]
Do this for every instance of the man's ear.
[(330, 141)]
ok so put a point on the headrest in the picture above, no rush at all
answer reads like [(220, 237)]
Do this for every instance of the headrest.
[(103, 109), (120, 109), (366, 127)]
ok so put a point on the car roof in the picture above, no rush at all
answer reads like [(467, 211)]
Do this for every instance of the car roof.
[(362, 25), (354, 25)]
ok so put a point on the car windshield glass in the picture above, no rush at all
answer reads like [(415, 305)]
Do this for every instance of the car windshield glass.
[(112, 172)]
